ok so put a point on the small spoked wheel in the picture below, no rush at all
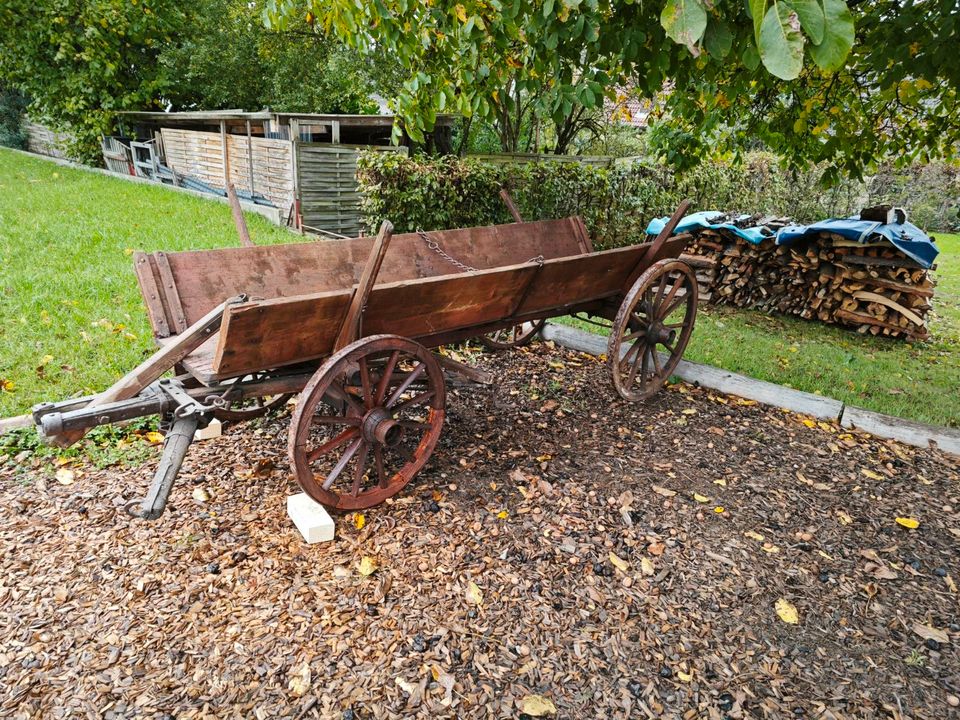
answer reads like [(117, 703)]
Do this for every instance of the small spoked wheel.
[(655, 320), (367, 422), (249, 408), (514, 336)]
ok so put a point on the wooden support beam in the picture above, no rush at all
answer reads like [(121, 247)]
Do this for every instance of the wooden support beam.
[(226, 152), (238, 218), (511, 205), (349, 331)]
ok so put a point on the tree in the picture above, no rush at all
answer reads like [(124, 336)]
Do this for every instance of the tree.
[(735, 67), (81, 60)]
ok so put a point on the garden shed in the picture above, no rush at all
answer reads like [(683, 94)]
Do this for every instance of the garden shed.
[(302, 164)]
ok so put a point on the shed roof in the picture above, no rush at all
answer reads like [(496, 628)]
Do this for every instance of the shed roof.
[(278, 117)]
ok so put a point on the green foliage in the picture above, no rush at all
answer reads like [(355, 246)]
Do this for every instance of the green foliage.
[(81, 61), (230, 60), (12, 106)]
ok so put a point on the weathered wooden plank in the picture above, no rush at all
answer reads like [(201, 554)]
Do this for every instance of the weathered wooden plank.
[(152, 296), (350, 329)]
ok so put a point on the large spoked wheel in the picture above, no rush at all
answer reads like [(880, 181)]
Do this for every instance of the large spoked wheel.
[(250, 408), (656, 316), (514, 336), (367, 422)]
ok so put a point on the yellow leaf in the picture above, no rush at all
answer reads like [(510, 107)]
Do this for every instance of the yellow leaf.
[(871, 474), (619, 563), (461, 12), (665, 492), (787, 611), (685, 677), (809, 423), (844, 518), (65, 476), (6, 385), (753, 535), (721, 482), (200, 495), (537, 706), (689, 411), (502, 514), (153, 437), (908, 522), (770, 548), (719, 509), (367, 566), (359, 521), (646, 567), (743, 401), (45, 360), (700, 498), (474, 593)]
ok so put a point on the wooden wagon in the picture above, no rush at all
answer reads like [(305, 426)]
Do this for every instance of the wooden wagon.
[(349, 325)]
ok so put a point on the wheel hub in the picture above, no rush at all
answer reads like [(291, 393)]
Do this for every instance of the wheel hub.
[(658, 333), (378, 426)]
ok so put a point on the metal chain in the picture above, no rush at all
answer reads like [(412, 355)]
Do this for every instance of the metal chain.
[(435, 246)]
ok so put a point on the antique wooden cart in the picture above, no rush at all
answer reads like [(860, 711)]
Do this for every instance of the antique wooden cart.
[(349, 326)]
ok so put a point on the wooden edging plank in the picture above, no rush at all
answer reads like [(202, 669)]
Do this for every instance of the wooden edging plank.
[(824, 408)]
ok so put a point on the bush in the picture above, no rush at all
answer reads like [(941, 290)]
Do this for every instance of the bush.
[(12, 132), (617, 203)]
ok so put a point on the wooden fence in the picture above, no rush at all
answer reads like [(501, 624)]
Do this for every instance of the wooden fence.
[(263, 166), (327, 186), (44, 141)]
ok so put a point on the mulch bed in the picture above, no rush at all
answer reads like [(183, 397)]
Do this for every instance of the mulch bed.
[(614, 560)]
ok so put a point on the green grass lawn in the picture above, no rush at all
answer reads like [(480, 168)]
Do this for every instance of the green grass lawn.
[(73, 320)]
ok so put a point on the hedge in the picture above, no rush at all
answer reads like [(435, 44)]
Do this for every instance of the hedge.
[(617, 203)]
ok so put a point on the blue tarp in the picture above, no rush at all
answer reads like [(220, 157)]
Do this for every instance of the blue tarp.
[(907, 237), (702, 220)]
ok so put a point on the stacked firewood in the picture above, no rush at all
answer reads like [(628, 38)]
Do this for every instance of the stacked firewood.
[(872, 287)]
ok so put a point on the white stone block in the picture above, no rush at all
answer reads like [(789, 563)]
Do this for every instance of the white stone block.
[(311, 518), (211, 431)]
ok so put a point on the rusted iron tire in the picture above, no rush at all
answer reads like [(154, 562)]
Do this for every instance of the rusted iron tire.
[(367, 422), (658, 312), (514, 336)]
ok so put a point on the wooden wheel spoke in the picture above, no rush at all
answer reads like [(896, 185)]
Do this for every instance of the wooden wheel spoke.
[(378, 464), (365, 384), (338, 393), (385, 379), (416, 400), (633, 368), (417, 372), (676, 303), (332, 444), (656, 361), (631, 351), (358, 470), (634, 335), (669, 298), (643, 369), (414, 424), (668, 346), (342, 463), (335, 420)]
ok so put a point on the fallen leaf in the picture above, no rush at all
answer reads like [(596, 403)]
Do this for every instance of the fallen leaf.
[(656, 548), (359, 521), (700, 498), (721, 482), (474, 594), (689, 411), (300, 681), (446, 681), (65, 476), (685, 677), (753, 535), (809, 423), (770, 548), (646, 567), (908, 522), (879, 571), (502, 514), (844, 518), (619, 563), (719, 509), (407, 687), (367, 566), (537, 706), (665, 492), (200, 495), (153, 437), (871, 474), (931, 633), (787, 611)]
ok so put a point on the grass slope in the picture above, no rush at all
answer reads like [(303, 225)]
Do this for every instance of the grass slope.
[(72, 319)]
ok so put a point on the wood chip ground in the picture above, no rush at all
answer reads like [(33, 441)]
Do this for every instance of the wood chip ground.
[(617, 560)]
